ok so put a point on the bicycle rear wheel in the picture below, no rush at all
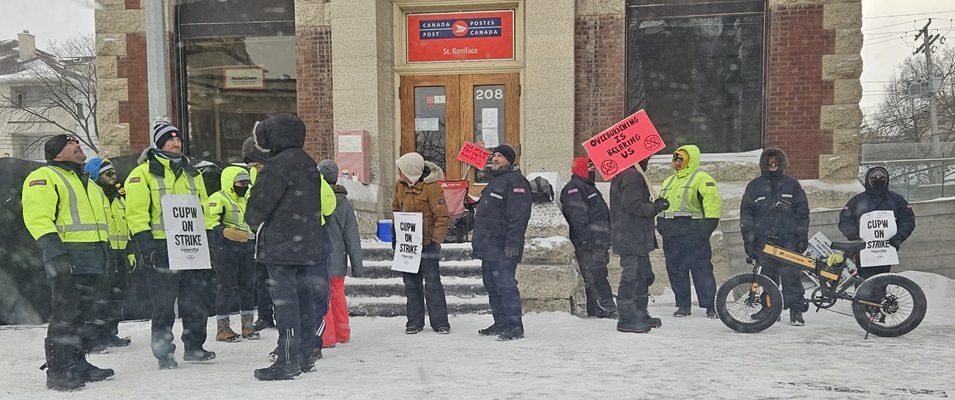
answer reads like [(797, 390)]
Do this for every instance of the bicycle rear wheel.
[(903, 305), (749, 303)]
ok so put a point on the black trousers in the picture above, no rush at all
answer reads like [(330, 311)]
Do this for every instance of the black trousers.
[(689, 254), (294, 311), (636, 278), (108, 310), (425, 288), (190, 288), (263, 296), (787, 275), (320, 283), (73, 301), (593, 267), (234, 265), (500, 280)]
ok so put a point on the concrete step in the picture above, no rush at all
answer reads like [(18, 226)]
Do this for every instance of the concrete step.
[(392, 287), (463, 269), (380, 251), (394, 306)]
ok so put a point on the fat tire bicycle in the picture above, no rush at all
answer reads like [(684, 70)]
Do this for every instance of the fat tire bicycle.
[(886, 305)]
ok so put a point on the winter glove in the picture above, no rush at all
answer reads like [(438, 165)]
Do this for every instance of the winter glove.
[(511, 252), (59, 265), (132, 262), (895, 241), (661, 204), (235, 235), (802, 241), (750, 249), (148, 259)]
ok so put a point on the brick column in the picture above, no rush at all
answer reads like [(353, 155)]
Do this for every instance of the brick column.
[(313, 59), (599, 69), (121, 77)]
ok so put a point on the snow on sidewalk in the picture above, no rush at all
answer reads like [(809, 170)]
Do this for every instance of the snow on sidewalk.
[(562, 357)]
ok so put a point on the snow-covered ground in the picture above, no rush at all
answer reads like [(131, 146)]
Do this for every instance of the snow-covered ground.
[(561, 357)]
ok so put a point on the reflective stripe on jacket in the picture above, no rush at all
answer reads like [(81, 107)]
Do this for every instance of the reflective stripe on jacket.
[(691, 192), (55, 201), (145, 188)]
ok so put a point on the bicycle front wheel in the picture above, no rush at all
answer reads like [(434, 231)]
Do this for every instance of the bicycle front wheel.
[(749, 303), (902, 303)]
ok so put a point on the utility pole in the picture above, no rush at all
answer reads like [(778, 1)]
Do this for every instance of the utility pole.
[(926, 47), (157, 60)]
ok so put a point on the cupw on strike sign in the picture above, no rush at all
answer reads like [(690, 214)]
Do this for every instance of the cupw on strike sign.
[(624, 144)]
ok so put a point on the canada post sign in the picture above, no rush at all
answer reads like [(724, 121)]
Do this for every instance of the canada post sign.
[(486, 35)]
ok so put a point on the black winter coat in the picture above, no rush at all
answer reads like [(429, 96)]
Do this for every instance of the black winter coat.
[(285, 205), (586, 212), (756, 220), (631, 214), (872, 200), (502, 215)]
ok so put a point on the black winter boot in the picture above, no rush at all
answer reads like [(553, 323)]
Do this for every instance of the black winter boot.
[(642, 303), (89, 372), (492, 330), (607, 308), (199, 355), (265, 321), (60, 371), (279, 372), (631, 320)]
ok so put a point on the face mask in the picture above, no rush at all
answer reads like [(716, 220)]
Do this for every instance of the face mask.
[(878, 184), (240, 190), (592, 175)]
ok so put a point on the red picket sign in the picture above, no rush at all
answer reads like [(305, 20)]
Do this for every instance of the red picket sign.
[(474, 155), (624, 144)]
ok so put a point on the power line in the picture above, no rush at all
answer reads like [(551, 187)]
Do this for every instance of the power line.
[(887, 26), (909, 15)]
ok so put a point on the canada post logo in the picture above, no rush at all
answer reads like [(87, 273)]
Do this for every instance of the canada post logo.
[(459, 28)]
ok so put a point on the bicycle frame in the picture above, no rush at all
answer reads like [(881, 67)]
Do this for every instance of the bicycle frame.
[(831, 284)]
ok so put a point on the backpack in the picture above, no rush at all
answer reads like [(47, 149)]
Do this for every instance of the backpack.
[(541, 191)]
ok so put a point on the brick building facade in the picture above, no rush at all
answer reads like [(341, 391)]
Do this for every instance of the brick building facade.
[(571, 57)]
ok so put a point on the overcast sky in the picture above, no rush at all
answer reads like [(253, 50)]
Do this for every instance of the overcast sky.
[(889, 27)]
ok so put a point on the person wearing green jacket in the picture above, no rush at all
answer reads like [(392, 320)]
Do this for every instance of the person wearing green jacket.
[(109, 310), (233, 258), (163, 170), (686, 226), (67, 217)]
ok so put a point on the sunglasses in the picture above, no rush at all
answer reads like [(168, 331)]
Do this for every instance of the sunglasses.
[(110, 173), (677, 158), (878, 178), (774, 164)]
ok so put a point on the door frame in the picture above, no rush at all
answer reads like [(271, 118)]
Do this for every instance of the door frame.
[(459, 86)]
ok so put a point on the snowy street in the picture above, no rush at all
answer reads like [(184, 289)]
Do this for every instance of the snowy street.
[(562, 357)]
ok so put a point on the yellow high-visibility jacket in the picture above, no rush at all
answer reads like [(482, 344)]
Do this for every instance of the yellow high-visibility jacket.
[(225, 206), (146, 185), (691, 192), (55, 201)]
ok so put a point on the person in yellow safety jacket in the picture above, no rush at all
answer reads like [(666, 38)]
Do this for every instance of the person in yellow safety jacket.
[(686, 226), (109, 310), (164, 170), (233, 255), (67, 216)]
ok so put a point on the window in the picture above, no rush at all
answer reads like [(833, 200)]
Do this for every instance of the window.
[(698, 70), (238, 68), (20, 99)]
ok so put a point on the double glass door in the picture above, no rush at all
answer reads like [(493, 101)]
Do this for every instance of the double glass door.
[(441, 112)]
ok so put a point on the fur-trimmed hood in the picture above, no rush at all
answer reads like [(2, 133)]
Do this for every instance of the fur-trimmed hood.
[(435, 173), (772, 152)]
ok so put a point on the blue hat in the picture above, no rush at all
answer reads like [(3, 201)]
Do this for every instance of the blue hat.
[(97, 166)]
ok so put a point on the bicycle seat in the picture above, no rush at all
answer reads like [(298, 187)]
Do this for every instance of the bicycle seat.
[(851, 246)]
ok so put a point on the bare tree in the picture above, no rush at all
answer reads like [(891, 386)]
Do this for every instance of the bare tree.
[(62, 86), (903, 119)]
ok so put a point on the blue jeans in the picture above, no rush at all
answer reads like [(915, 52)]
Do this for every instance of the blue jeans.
[(502, 293)]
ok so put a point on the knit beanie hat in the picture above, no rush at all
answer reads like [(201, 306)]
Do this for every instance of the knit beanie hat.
[(412, 165), (162, 132), (507, 151), (55, 145), (251, 153), (97, 166), (242, 177), (329, 170)]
